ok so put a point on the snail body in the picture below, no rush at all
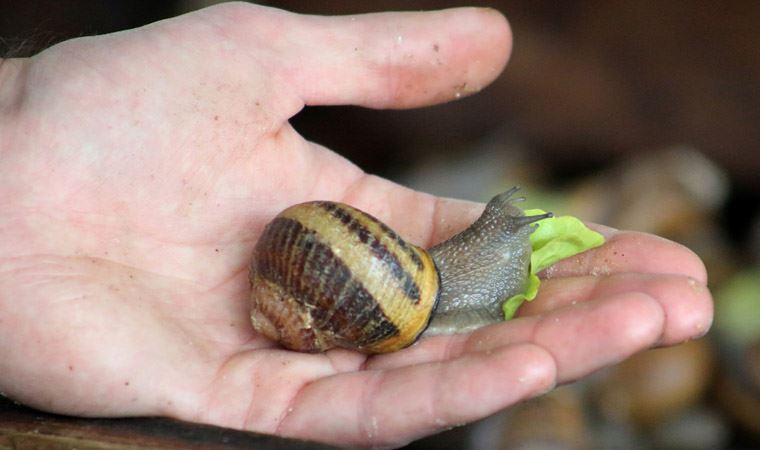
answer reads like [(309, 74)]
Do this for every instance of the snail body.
[(327, 275)]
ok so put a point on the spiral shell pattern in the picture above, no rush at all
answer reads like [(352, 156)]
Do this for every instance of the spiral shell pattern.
[(327, 275)]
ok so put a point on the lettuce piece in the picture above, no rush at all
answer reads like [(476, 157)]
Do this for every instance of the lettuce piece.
[(554, 239), (513, 303), (737, 308)]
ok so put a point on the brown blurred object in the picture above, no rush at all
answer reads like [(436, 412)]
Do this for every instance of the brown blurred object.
[(675, 192), (753, 364), (743, 408), (555, 421), (754, 241), (698, 428), (652, 386), (738, 390)]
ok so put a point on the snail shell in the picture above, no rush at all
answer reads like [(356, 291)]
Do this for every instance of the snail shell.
[(327, 275)]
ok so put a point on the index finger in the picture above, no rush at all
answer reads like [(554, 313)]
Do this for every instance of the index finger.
[(632, 251)]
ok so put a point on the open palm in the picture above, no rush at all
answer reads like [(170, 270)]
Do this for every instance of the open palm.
[(138, 169)]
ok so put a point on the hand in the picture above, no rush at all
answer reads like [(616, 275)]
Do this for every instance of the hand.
[(138, 169)]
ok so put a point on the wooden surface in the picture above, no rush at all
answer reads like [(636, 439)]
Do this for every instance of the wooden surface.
[(26, 429)]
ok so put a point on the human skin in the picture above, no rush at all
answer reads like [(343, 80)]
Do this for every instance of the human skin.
[(137, 170)]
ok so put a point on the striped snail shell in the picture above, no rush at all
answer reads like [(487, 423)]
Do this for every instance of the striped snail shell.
[(327, 275)]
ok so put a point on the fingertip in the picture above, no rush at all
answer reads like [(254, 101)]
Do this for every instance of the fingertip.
[(585, 337), (681, 259), (688, 320), (489, 37), (696, 268), (500, 37), (632, 251), (539, 371), (470, 56)]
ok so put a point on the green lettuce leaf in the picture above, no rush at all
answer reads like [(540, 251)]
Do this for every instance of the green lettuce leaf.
[(554, 239), (737, 308)]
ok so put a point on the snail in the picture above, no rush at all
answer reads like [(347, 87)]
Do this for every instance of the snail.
[(327, 275)]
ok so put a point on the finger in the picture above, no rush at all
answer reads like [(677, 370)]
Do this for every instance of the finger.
[(687, 303), (390, 408), (630, 251), (382, 60), (589, 336), (582, 338)]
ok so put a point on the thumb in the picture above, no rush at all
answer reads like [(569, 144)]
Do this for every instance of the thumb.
[(380, 60)]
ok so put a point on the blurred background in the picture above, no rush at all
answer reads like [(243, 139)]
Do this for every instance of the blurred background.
[(638, 114)]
